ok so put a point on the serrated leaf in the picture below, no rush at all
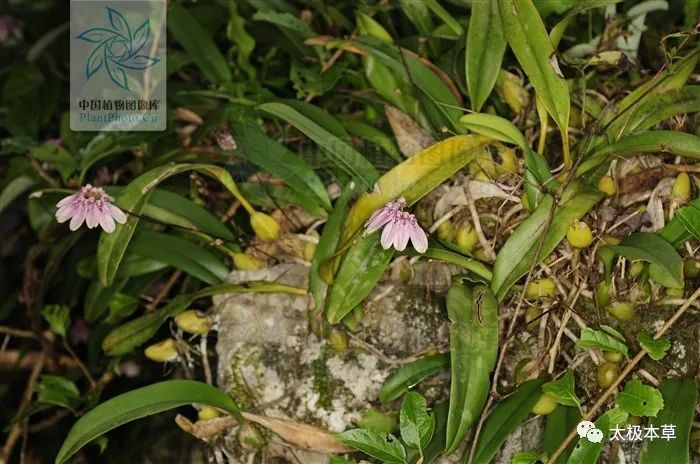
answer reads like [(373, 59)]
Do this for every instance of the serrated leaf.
[(638, 399), (381, 446), (563, 390), (600, 340), (656, 348)]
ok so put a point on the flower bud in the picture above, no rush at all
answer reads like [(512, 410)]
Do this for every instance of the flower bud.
[(466, 237), (246, 262), (265, 226), (606, 184), (579, 235), (207, 413), (681, 189), (194, 322), (545, 405), (162, 352), (541, 288), (622, 310)]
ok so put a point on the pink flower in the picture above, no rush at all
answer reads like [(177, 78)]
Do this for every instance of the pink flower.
[(92, 205), (399, 227)]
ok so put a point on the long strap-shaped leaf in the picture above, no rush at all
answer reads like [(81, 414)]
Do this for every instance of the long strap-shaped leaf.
[(486, 44), (343, 155), (533, 48), (140, 403), (473, 317)]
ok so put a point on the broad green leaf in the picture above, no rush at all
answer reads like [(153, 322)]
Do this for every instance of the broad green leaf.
[(256, 147), (638, 399), (533, 48), (343, 155), (445, 16), (600, 340), (134, 333), (417, 425), (198, 44), (437, 443), (680, 399), (586, 451), (486, 45), (416, 177), (384, 447), (474, 345), (411, 374), (374, 136), (327, 244), (557, 426), (58, 391), (133, 199), (180, 253), (563, 390), (684, 225), (437, 251), (505, 417), (656, 348), (437, 93), (14, 189), (359, 272), (666, 265), (494, 126), (58, 318), (137, 404), (660, 141), (664, 107), (518, 253)]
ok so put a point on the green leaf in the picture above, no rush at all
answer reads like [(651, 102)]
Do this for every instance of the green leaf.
[(14, 189), (558, 30), (345, 157), (586, 451), (140, 403), (494, 126), (133, 199), (557, 426), (474, 345), (533, 48), (505, 417), (384, 447), (518, 253), (359, 272), (180, 253), (411, 374), (638, 399), (529, 457), (57, 391), (600, 340), (237, 34), (684, 225), (664, 107), (437, 94), (659, 141), (57, 157), (373, 136), (446, 17), (417, 425), (680, 399), (563, 390), (198, 44), (656, 348), (437, 251), (58, 318), (256, 147), (486, 45), (415, 177), (666, 265)]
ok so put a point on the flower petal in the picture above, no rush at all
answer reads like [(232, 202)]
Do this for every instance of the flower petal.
[(389, 235), (117, 214), (92, 218), (418, 238), (77, 219), (401, 238), (68, 200), (64, 213), (378, 219), (107, 222)]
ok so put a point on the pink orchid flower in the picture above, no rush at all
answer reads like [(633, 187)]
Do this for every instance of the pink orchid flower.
[(399, 227), (92, 206)]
